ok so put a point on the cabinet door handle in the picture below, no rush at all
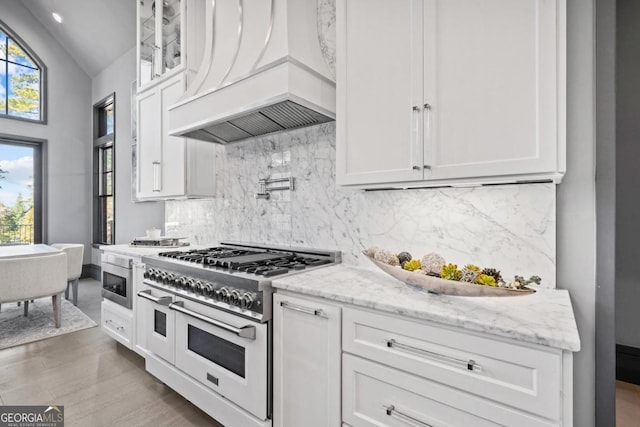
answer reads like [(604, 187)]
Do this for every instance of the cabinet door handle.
[(314, 312), (416, 134), (154, 60), (157, 177), (427, 135), (469, 365), (393, 412)]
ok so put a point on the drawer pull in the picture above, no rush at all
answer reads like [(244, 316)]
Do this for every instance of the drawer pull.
[(393, 412), (314, 312), (470, 364)]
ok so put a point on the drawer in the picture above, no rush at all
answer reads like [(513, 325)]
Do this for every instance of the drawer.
[(523, 376), (377, 395), (117, 323)]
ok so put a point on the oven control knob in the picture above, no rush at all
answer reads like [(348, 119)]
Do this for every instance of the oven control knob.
[(169, 278), (183, 283), (146, 273), (207, 289), (198, 287), (191, 284), (223, 294), (234, 297), (247, 300)]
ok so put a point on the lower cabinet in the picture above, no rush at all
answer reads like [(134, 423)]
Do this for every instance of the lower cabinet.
[(117, 322), (307, 359), (336, 364)]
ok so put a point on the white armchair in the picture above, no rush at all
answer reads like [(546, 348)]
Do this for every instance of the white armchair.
[(75, 252), (28, 278)]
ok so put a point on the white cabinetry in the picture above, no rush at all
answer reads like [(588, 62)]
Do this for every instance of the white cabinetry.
[(439, 92), (336, 363), (169, 166), (306, 367), (117, 322), (396, 369)]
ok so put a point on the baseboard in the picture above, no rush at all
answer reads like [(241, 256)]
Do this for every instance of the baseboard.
[(92, 271), (628, 364)]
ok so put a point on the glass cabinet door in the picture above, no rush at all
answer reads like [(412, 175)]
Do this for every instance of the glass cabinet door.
[(160, 38), (147, 41), (171, 48)]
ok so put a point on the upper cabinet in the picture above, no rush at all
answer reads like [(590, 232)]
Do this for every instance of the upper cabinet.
[(450, 92), (169, 51), (169, 38), (170, 166), (160, 33)]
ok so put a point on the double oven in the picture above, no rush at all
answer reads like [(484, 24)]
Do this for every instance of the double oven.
[(226, 353)]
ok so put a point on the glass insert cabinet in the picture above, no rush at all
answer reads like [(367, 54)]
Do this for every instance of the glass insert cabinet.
[(159, 37)]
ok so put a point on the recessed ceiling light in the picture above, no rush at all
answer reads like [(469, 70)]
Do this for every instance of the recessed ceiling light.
[(57, 17)]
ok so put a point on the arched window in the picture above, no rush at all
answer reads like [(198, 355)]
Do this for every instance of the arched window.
[(22, 78)]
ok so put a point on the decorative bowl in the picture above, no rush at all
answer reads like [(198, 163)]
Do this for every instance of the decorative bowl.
[(437, 285)]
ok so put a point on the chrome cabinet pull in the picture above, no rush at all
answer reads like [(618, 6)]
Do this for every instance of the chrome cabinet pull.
[(417, 134), (146, 294), (248, 332), (156, 176), (393, 412), (469, 365), (314, 312)]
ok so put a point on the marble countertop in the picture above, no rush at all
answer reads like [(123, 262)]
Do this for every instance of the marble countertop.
[(140, 251), (544, 318)]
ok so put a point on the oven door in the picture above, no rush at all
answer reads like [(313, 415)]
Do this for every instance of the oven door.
[(225, 352), (159, 322)]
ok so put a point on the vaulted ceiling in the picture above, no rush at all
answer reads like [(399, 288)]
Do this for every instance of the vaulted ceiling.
[(94, 32)]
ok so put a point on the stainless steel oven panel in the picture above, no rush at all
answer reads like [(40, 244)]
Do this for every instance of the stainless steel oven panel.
[(159, 322), (120, 272), (241, 372)]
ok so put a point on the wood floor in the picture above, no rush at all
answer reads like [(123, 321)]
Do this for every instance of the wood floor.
[(627, 404), (99, 382)]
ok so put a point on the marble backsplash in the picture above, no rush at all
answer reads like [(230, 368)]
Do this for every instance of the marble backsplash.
[(509, 227)]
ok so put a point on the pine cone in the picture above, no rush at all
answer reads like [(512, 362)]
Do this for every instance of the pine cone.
[(493, 273)]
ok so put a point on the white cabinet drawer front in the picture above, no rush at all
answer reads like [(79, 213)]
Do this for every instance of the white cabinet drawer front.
[(520, 376), (377, 395), (117, 325)]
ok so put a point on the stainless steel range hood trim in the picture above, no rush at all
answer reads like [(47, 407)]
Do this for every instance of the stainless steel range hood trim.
[(266, 67), (247, 110)]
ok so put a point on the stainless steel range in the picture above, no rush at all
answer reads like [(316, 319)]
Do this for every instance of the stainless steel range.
[(206, 313)]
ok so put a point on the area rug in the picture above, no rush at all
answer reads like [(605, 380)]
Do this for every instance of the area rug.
[(15, 329)]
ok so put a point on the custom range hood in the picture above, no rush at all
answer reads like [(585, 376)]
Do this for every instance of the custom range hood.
[(263, 71)]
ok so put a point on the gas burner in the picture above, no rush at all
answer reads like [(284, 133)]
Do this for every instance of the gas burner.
[(234, 277)]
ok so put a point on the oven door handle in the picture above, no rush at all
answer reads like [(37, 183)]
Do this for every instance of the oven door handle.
[(146, 294), (248, 331)]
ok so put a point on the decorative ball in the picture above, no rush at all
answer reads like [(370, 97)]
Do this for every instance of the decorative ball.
[(404, 257), (432, 263), (469, 275), (372, 251), (387, 257)]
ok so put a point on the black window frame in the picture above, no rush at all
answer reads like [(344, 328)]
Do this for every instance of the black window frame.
[(43, 77), (39, 185), (102, 143)]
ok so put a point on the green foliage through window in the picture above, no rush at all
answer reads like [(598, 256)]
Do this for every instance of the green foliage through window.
[(20, 81)]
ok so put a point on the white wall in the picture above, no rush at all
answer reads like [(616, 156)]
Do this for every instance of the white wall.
[(132, 219), (68, 131), (576, 217)]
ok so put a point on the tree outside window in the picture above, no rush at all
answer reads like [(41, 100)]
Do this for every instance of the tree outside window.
[(20, 80)]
